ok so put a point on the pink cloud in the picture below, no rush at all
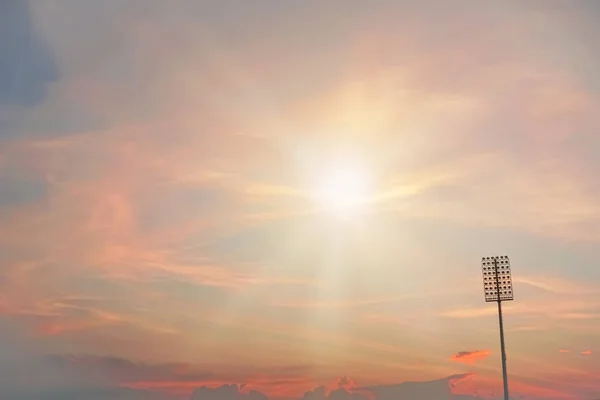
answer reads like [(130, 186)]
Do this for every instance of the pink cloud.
[(470, 357)]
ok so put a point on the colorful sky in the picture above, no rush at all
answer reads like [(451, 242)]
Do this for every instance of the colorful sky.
[(161, 224)]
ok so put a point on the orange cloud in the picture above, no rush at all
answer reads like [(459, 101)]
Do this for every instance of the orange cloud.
[(564, 351), (470, 357), (586, 352), (97, 218), (52, 329)]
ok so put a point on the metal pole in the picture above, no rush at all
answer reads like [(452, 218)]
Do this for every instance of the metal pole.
[(502, 347)]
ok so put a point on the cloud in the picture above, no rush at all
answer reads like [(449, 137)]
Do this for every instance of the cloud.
[(119, 371), (161, 156), (27, 65), (226, 392), (85, 393), (69, 316), (553, 284), (553, 310), (470, 357), (464, 313), (70, 372), (354, 303), (172, 380), (438, 389), (404, 391), (20, 190), (105, 377), (564, 351), (340, 393), (586, 352), (346, 389)]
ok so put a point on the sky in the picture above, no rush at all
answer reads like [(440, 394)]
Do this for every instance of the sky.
[(172, 225)]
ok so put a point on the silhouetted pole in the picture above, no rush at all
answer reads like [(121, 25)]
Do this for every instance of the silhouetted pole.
[(497, 284), (502, 346)]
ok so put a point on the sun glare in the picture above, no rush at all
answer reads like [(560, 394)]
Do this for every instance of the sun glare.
[(343, 190)]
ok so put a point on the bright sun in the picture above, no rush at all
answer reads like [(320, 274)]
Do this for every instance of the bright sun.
[(343, 190)]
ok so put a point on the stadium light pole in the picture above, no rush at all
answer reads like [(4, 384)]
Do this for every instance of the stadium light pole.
[(497, 285)]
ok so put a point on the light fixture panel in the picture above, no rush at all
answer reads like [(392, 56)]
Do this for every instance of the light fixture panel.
[(497, 279)]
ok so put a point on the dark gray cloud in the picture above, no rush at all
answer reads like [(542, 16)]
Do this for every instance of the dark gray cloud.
[(15, 191), (321, 393), (437, 389), (64, 377), (28, 377), (117, 370), (347, 390), (226, 392), (26, 63), (85, 394)]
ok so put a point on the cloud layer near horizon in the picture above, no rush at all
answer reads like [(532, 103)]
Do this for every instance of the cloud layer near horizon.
[(117, 378), (157, 161)]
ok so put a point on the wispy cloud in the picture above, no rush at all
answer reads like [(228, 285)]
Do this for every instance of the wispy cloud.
[(340, 304), (553, 284)]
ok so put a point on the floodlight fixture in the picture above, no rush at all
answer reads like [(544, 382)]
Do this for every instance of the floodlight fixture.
[(497, 287), (497, 279)]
